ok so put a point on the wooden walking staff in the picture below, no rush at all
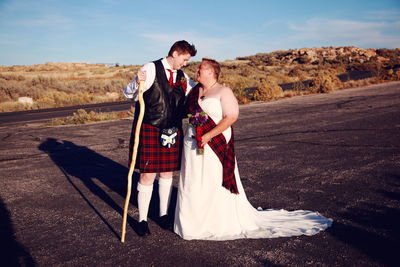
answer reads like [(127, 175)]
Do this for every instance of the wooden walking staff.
[(133, 161)]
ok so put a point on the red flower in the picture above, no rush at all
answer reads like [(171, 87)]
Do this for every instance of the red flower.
[(199, 134), (182, 83)]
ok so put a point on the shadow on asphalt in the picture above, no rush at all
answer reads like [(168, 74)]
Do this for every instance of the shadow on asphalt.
[(90, 167), (372, 228), (13, 253)]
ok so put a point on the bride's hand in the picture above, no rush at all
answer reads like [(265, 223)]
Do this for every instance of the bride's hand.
[(205, 139)]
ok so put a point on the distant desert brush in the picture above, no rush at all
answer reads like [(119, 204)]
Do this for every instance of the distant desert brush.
[(61, 84), (325, 83), (65, 84), (83, 117), (268, 90)]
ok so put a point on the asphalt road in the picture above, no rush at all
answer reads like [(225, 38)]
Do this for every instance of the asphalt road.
[(62, 188)]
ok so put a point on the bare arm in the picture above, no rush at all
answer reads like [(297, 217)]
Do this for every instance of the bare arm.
[(230, 113)]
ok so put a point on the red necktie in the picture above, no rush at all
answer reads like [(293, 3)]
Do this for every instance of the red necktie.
[(171, 77)]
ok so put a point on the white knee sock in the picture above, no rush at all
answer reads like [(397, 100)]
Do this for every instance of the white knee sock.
[(164, 191), (144, 197)]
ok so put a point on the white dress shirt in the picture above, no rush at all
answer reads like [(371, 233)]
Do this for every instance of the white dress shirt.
[(131, 90)]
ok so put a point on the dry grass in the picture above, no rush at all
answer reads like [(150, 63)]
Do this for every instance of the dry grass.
[(56, 85), (64, 84), (320, 65), (82, 117)]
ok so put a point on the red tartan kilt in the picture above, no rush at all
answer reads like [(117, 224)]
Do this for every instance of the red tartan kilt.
[(152, 157)]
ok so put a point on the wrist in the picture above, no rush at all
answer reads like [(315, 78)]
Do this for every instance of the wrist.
[(208, 136)]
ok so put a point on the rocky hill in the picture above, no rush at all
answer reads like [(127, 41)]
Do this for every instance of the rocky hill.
[(335, 55), (310, 70)]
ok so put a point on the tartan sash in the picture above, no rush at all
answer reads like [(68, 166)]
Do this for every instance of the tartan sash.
[(224, 151)]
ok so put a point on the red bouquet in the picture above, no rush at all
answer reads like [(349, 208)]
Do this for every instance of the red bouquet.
[(197, 119)]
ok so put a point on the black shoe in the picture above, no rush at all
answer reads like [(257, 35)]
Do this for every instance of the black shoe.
[(143, 229), (165, 222)]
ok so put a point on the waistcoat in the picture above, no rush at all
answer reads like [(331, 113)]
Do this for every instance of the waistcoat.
[(165, 104)]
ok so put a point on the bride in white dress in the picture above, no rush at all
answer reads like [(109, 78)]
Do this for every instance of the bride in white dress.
[(206, 209)]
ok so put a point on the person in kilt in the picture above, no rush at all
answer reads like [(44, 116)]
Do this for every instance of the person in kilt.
[(160, 142)]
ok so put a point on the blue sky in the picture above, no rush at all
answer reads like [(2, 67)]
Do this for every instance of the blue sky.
[(135, 32)]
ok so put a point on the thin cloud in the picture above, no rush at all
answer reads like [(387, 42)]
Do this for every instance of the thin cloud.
[(47, 20), (336, 32), (219, 48), (270, 23), (205, 45), (40, 15), (9, 42), (383, 15)]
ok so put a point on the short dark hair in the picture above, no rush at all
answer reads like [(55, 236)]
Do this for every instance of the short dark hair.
[(214, 65), (183, 47)]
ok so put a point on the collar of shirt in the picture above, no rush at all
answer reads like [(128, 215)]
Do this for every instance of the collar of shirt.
[(166, 65)]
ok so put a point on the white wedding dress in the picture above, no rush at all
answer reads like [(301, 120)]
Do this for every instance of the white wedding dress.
[(207, 210)]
